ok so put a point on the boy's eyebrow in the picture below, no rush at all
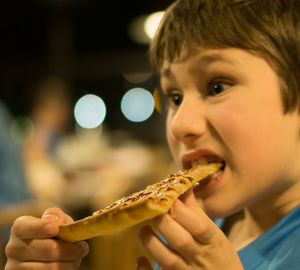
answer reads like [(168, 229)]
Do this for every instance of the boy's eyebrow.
[(202, 61), (211, 58)]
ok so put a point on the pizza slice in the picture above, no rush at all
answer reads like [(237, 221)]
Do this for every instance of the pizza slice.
[(155, 200)]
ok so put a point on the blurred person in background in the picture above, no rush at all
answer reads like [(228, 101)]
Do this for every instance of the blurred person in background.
[(50, 113), (50, 110), (13, 185)]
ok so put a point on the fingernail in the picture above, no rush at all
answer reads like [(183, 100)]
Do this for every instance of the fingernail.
[(50, 228), (50, 217)]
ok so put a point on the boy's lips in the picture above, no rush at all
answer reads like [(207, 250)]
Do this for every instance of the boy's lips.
[(197, 157)]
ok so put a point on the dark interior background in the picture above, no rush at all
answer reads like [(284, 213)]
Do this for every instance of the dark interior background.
[(84, 42)]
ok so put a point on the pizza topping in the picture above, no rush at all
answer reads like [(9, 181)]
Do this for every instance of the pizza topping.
[(154, 191), (158, 191)]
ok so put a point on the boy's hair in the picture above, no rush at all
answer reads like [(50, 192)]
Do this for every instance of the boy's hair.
[(270, 28)]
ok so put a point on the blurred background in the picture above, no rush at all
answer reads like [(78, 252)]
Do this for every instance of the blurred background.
[(81, 119)]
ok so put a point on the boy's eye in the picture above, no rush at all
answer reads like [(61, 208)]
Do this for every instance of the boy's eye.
[(216, 88), (175, 99)]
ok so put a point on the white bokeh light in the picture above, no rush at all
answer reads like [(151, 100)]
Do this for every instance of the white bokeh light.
[(90, 111), (137, 104), (152, 22)]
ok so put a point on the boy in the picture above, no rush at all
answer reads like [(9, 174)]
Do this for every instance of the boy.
[(230, 71)]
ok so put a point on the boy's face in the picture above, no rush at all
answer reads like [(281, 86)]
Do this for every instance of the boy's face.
[(226, 105)]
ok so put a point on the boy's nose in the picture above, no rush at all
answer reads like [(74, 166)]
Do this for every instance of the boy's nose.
[(189, 123)]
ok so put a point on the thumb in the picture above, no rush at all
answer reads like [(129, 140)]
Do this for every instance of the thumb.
[(54, 217)]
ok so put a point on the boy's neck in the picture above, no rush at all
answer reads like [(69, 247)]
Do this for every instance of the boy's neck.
[(245, 226), (241, 229)]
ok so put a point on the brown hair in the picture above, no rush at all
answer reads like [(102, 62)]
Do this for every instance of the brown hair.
[(267, 27)]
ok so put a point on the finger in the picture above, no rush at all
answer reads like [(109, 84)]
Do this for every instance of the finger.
[(195, 221), (28, 227), (47, 250), (163, 255), (143, 264), (54, 218), (176, 235), (188, 198), (43, 266)]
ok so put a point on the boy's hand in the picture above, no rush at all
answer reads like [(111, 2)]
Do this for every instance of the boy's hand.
[(196, 242), (32, 244)]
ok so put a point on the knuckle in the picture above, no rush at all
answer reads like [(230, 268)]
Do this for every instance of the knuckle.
[(52, 249), (199, 230), (17, 226), (58, 250), (12, 250), (182, 243)]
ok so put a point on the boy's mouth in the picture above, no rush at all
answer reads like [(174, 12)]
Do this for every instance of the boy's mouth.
[(208, 160), (202, 156), (204, 183)]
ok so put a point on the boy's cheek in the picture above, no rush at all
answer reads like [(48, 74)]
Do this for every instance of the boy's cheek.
[(174, 148)]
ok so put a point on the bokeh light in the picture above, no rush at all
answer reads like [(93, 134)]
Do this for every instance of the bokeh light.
[(136, 30), (137, 77), (142, 28), (137, 105), (152, 22), (90, 111)]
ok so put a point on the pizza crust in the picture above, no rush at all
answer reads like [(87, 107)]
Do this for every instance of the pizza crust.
[(155, 200)]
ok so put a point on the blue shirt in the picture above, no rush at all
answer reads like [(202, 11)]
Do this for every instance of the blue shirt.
[(277, 249)]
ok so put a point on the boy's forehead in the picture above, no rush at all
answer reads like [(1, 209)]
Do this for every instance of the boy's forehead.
[(201, 58)]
